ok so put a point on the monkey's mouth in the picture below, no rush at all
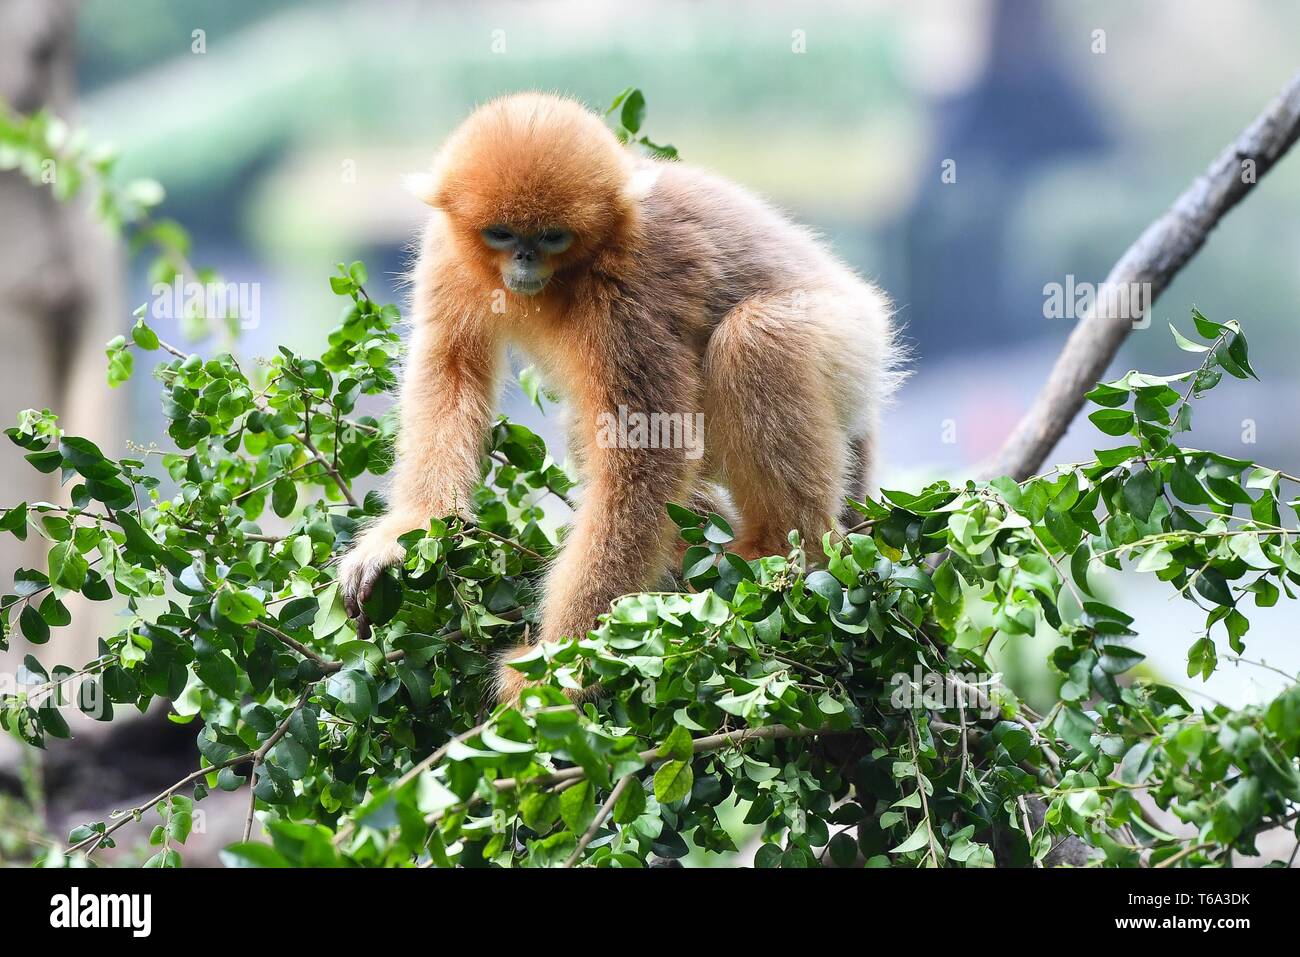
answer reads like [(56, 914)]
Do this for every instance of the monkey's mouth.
[(526, 285)]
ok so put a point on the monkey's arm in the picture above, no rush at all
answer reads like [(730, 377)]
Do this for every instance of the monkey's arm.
[(446, 404)]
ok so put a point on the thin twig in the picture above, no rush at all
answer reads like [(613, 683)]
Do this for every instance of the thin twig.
[(1029, 828), (130, 815), (920, 789), (1185, 852), (334, 473), (259, 757), (567, 777), (295, 644), (603, 813), (965, 746), (502, 460), (432, 760)]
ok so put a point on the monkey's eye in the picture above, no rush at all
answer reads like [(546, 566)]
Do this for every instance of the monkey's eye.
[(555, 240), (498, 237)]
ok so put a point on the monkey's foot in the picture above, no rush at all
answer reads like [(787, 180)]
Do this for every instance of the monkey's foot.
[(510, 682)]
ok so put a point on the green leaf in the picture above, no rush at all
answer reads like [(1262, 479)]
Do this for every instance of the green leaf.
[(1211, 584), (1076, 729), (67, 567), (284, 496), (1112, 421), (1186, 487), (384, 599), (1201, 658), (1208, 329), (33, 625), (673, 781), (1186, 344), (1237, 625), (1138, 763), (143, 336), (1140, 493), (355, 692), (1237, 350), (578, 806), (632, 115), (678, 744), (828, 705), (843, 850), (252, 854), (240, 607), (918, 839), (539, 810), (330, 613), (631, 803)]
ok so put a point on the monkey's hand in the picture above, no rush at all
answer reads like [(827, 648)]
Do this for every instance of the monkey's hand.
[(376, 550)]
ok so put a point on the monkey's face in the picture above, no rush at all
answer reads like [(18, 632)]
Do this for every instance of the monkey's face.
[(526, 259), (534, 189)]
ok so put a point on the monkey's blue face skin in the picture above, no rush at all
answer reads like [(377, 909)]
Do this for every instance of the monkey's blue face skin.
[(525, 260)]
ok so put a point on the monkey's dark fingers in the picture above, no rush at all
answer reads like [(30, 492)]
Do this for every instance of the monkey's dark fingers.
[(355, 596), (366, 585), (357, 579)]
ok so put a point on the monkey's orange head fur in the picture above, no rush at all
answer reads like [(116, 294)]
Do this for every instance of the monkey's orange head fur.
[(531, 184)]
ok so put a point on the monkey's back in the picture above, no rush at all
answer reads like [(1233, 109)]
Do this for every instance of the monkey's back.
[(728, 247), (759, 250)]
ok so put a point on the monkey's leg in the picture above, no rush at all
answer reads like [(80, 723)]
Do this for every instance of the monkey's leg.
[(772, 425), (861, 460), (621, 543)]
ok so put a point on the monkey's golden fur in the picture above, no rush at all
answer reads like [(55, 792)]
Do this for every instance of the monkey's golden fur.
[(681, 293)]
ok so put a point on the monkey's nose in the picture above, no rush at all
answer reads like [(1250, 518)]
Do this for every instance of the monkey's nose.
[(525, 256)]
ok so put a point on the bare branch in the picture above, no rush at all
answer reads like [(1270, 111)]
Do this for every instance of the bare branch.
[(712, 742), (1155, 259), (259, 757), (599, 819)]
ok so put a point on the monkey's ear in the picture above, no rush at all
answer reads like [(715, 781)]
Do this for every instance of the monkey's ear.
[(425, 187), (641, 182)]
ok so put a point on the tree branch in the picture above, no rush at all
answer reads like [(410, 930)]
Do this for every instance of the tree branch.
[(711, 742), (259, 757), (1155, 259), (288, 641), (599, 819), (134, 813), (333, 473)]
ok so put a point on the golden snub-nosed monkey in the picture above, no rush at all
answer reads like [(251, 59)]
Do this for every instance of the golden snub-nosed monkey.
[(640, 287)]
